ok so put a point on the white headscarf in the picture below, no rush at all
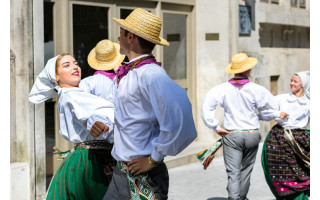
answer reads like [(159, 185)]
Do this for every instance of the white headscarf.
[(305, 79), (45, 84)]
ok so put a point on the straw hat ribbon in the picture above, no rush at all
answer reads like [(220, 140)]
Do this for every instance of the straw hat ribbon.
[(241, 63), (105, 56), (144, 24)]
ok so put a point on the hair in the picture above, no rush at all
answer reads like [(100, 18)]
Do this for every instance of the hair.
[(144, 44), (59, 58)]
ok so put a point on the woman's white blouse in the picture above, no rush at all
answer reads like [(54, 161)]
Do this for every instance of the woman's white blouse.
[(239, 103), (298, 110), (99, 85), (79, 110)]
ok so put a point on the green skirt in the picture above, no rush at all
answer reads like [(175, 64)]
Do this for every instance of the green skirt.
[(80, 176)]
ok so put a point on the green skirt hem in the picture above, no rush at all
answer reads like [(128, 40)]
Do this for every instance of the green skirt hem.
[(79, 176)]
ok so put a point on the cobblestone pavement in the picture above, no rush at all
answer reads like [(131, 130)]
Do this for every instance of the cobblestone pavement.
[(192, 182)]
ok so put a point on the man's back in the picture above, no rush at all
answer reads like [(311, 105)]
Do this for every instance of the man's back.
[(239, 102)]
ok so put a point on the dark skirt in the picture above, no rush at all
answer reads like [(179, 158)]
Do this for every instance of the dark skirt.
[(286, 174), (84, 174)]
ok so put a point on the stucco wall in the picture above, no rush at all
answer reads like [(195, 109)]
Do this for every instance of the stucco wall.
[(27, 121), (212, 56), (22, 60)]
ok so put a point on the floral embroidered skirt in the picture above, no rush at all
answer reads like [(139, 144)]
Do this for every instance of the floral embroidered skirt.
[(84, 174), (286, 174)]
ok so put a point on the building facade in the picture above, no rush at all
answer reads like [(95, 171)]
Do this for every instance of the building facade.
[(203, 36)]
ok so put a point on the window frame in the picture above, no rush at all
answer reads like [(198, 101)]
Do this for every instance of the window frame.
[(184, 83)]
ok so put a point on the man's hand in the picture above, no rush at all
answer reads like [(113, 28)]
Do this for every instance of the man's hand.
[(222, 132), (283, 115), (139, 165), (98, 128)]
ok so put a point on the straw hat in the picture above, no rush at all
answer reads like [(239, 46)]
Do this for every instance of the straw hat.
[(241, 63), (144, 24), (105, 56)]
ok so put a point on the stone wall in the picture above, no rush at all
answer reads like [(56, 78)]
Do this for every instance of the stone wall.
[(21, 49), (27, 119)]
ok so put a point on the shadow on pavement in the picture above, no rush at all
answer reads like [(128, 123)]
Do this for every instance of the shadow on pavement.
[(217, 198)]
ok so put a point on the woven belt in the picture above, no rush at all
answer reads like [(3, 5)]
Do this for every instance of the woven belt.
[(94, 144), (244, 131), (138, 185)]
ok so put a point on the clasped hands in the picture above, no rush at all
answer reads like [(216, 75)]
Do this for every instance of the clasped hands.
[(222, 132), (283, 115)]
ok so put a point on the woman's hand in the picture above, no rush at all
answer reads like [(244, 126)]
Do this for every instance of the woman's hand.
[(98, 128), (283, 115)]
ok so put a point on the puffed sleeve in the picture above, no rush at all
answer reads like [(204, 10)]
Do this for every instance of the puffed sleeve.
[(87, 84), (269, 107), (173, 111), (212, 99), (90, 108)]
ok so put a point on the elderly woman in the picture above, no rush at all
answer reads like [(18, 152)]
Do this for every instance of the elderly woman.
[(286, 150), (82, 174)]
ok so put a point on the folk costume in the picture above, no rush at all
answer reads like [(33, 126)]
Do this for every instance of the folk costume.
[(85, 172), (240, 98), (103, 58), (153, 116), (286, 167)]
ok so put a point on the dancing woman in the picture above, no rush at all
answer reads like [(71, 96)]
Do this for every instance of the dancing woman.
[(286, 162), (82, 174)]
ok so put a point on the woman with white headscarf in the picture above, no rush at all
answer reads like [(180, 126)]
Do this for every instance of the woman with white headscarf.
[(85, 172), (286, 150)]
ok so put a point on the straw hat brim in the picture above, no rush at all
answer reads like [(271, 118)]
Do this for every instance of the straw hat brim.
[(250, 64), (123, 24), (105, 65)]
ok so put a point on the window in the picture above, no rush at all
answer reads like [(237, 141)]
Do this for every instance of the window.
[(283, 36), (90, 25), (298, 3), (302, 3), (294, 3), (174, 56), (49, 105), (48, 30), (270, 1), (274, 85), (124, 14), (178, 58)]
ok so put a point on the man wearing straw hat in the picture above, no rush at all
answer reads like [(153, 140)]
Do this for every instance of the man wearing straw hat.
[(153, 116), (240, 98), (104, 57)]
